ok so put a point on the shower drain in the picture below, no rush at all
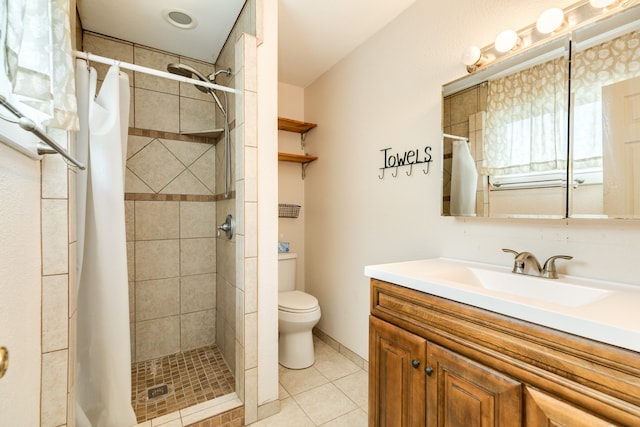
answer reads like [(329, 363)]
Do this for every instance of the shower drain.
[(155, 393)]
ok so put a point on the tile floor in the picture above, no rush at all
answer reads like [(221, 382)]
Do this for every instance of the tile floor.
[(193, 377), (331, 393)]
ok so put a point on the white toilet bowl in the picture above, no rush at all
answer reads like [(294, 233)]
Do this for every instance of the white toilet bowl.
[(298, 313)]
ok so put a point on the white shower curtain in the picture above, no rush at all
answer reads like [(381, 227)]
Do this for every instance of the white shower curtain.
[(464, 179), (103, 346)]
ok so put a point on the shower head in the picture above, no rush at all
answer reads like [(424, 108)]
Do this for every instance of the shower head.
[(190, 72)]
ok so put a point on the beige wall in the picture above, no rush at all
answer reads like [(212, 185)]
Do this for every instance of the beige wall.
[(387, 93), (290, 182)]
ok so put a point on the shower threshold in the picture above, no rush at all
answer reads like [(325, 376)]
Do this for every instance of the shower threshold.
[(198, 379)]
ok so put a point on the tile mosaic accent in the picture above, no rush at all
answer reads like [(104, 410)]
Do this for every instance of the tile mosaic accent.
[(164, 164), (193, 377)]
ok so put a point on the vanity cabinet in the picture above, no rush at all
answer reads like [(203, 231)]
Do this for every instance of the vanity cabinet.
[(435, 362)]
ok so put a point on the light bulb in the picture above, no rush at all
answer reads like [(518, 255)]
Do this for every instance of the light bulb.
[(471, 55), (506, 41), (550, 20)]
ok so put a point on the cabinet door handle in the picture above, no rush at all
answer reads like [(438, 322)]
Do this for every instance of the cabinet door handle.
[(428, 370), (415, 363)]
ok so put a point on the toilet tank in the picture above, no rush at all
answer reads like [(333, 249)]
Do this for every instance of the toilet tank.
[(286, 271)]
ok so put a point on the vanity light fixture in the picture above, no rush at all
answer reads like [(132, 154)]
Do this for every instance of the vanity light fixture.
[(180, 18), (507, 40), (550, 20), (551, 23), (473, 58)]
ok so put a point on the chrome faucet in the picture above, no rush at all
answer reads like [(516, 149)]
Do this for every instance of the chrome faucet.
[(548, 271), (520, 259)]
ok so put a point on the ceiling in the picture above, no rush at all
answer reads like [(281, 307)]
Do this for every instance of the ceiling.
[(313, 35)]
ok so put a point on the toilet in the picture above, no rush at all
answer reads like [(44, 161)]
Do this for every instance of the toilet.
[(298, 313)]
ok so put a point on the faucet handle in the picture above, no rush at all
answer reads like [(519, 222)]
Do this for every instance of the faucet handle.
[(549, 269), (518, 264)]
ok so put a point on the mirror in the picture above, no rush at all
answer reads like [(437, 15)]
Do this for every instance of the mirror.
[(522, 150), (605, 137)]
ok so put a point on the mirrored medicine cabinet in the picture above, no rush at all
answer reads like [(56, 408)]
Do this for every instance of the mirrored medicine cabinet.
[(552, 131)]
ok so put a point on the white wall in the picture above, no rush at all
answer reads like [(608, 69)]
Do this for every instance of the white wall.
[(387, 93), (290, 182), (20, 276)]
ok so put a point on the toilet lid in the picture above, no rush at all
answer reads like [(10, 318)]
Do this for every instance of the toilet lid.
[(296, 301)]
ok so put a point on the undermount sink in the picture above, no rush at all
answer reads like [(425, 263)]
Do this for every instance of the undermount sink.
[(554, 291)]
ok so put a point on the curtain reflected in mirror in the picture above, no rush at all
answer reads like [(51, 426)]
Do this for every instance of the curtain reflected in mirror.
[(606, 132)]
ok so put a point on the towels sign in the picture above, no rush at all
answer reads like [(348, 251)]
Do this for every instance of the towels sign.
[(408, 158)]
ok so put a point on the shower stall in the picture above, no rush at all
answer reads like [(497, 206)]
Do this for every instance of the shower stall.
[(179, 186)]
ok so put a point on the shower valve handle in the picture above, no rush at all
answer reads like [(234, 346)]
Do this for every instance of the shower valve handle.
[(228, 226)]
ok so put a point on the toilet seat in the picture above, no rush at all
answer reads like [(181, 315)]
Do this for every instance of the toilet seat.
[(297, 302)]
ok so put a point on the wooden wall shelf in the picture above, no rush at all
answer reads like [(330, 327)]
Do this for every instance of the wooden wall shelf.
[(302, 128), (296, 126), (296, 158)]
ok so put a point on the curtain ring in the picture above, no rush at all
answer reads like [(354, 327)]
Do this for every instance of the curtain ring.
[(88, 61)]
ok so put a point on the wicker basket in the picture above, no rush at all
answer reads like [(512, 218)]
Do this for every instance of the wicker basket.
[(286, 210)]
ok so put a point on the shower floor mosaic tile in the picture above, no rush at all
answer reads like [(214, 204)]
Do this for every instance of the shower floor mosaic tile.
[(168, 384)]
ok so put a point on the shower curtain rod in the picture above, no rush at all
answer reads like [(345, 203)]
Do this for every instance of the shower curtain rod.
[(139, 68), (457, 138)]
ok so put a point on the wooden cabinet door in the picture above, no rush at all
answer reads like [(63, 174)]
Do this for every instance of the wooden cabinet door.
[(463, 393), (542, 410), (396, 376)]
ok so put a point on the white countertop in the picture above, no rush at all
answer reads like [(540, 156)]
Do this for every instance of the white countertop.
[(612, 316)]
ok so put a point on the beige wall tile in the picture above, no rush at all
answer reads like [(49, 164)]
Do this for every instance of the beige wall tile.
[(129, 217), (136, 143), (197, 292), (54, 177), (197, 256), (251, 340), (55, 251), (159, 337), (55, 315), (251, 173), (155, 166), (157, 111), (132, 301), (186, 152), (250, 289), (251, 229), (196, 115), (133, 184), (131, 261), (157, 220), (205, 170), (197, 219), (157, 259), (53, 411), (157, 298), (156, 60), (198, 329), (186, 183), (73, 287)]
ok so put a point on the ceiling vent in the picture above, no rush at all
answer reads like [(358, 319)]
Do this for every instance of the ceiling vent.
[(180, 18)]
